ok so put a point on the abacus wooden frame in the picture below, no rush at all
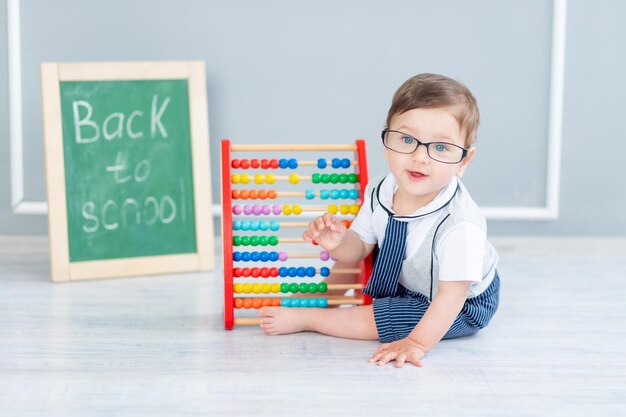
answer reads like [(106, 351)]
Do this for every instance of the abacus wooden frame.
[(52, 74), (227, 218)]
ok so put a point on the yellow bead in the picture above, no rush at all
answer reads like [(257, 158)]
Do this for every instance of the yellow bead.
[(265, 288), (245, 178), (235, 178), (354, 209), (275, 287), (237, 288), (297, 209), (294, 178), (287, 209), (344, 209), (259, 179), (270, 178), (256, 288), (246, 288), (332, 209)]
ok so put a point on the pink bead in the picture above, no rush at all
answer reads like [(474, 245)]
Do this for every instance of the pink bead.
[(324, 256), (247, 209), (277, 209), (237, 209), (256, 209), (267, 209), (282, 256)]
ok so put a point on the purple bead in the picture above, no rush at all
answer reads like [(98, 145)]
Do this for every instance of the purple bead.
[(256, 209), (237, 209), (324, 256), (277, 209), (282, 256), (266, 209), (247, 209)]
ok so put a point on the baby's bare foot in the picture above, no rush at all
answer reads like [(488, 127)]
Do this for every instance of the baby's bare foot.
[(283, 320)]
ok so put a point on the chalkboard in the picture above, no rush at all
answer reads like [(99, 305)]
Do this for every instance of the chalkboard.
[(135, 173)]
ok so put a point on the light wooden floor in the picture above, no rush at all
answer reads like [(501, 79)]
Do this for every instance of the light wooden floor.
[(155, 346)]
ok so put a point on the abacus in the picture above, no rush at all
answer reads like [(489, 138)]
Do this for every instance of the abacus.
[(247, 286)]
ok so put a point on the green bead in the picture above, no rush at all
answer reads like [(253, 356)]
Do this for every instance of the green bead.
[(304, 287), (245, 240), (316, 178), (263, 241), (322, 287), (353, 178), (293, 287), (325, 178), (312, 288), (254, 240), (237, 240), (273, 240), (343, 178), (334, 178), (284, 288)]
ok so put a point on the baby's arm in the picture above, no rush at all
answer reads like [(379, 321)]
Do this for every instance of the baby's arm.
[(437, 320), (341, 243)]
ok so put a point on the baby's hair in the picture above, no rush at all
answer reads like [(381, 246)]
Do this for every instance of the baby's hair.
[(437, 91)]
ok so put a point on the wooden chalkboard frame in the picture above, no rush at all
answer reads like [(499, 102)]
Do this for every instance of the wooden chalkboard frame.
[(62, 269)]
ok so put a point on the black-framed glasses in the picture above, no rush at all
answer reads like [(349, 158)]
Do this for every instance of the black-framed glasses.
[(445, 152)]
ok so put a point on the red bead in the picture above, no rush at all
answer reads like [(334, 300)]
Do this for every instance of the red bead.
[(274, 163), (246, 272), (314, 242), (255, 272), (265, 272), (237, 272), (265, 164), (254, 163), (245, 164), (273, 272), (235, 163)]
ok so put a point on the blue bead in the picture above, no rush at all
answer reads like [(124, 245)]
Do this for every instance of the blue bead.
[(283, 163), (295, 302), (309, 194), (293, 163), (264, 256), (236, 225), (236, 256), (336, 162), (245, 256), (334, 194), (285, 302), (254, 226), (345, 163), (283, 271), (302, 271), (263, 225), (321, 163), (254, 256), (273, 256), (293, 272), (354, 194), (245, 225), (310, 271), (322, 302), (343, 193), (274, 226), (324, 194), (304, 302), (324, 271)]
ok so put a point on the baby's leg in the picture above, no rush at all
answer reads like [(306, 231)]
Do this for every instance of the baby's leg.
[(350, 322)]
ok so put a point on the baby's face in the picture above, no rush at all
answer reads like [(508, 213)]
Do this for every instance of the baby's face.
[(419, 177)]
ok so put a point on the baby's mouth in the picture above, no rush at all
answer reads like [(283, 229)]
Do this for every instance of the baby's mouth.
[(416, 175)]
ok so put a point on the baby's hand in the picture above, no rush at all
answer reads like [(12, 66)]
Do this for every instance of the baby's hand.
[(327, 230), (401, 351)]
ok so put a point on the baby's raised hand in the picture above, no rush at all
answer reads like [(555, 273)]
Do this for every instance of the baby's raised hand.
[(327, 230)]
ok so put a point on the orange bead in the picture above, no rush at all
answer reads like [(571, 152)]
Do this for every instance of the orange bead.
[(267, 302), (257, 303), (254, 194), (235, 194), (244, 194), (272, 194), (346, 223), (238, 303), (247, 303), (262, 194), (275, 302)]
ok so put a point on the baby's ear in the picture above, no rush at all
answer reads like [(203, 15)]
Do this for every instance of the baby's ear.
[(465, 162)]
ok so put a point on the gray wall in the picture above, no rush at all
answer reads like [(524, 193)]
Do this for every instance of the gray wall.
[(325, 72)]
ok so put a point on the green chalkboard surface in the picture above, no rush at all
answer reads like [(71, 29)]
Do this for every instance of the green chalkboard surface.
[(128, 168)]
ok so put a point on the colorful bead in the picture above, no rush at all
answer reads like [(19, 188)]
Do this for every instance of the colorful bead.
[(303, 287), (245, 164), (283, 163), (321, 163), (282, 256), (273, 240), (345, 163), (336, 163), (334, 194), (312, 288), (254, 163), (257, 210), (245, 178), (275, 287), (274, 163), (235, 163), (247, 209), (293, 287), (276, 209), (270, 178), (297, 209), (324, 271), (235, 178), (302, 271), (237, 209), (294, 178), (293, 163), (324, 194), (259, 179), (265, 164), (344, 209), (325, 178), (263, 240), (237, 225), (324, 256), (316, 178), (322, 287), (236, 240), (266, 210), (237, 288), (310, 271), (343, 178), (332, 209), (334, 178), (247, 303), (274, 226), (293, 271), (238, 303), (287, 209), (309, 194), (353, 178), (354, 209), (322, 303)]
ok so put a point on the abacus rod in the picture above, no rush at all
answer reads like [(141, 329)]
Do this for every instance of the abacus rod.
[(330, 287), (300, 194), (291, 240), (293, 224), (291, 147), (247, 321), (314, 163)]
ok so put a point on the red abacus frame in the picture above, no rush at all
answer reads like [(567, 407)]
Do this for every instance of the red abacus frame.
[(227, 148)]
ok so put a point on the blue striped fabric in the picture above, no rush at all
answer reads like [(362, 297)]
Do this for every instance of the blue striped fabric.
[(397, 316), (384, 279)]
